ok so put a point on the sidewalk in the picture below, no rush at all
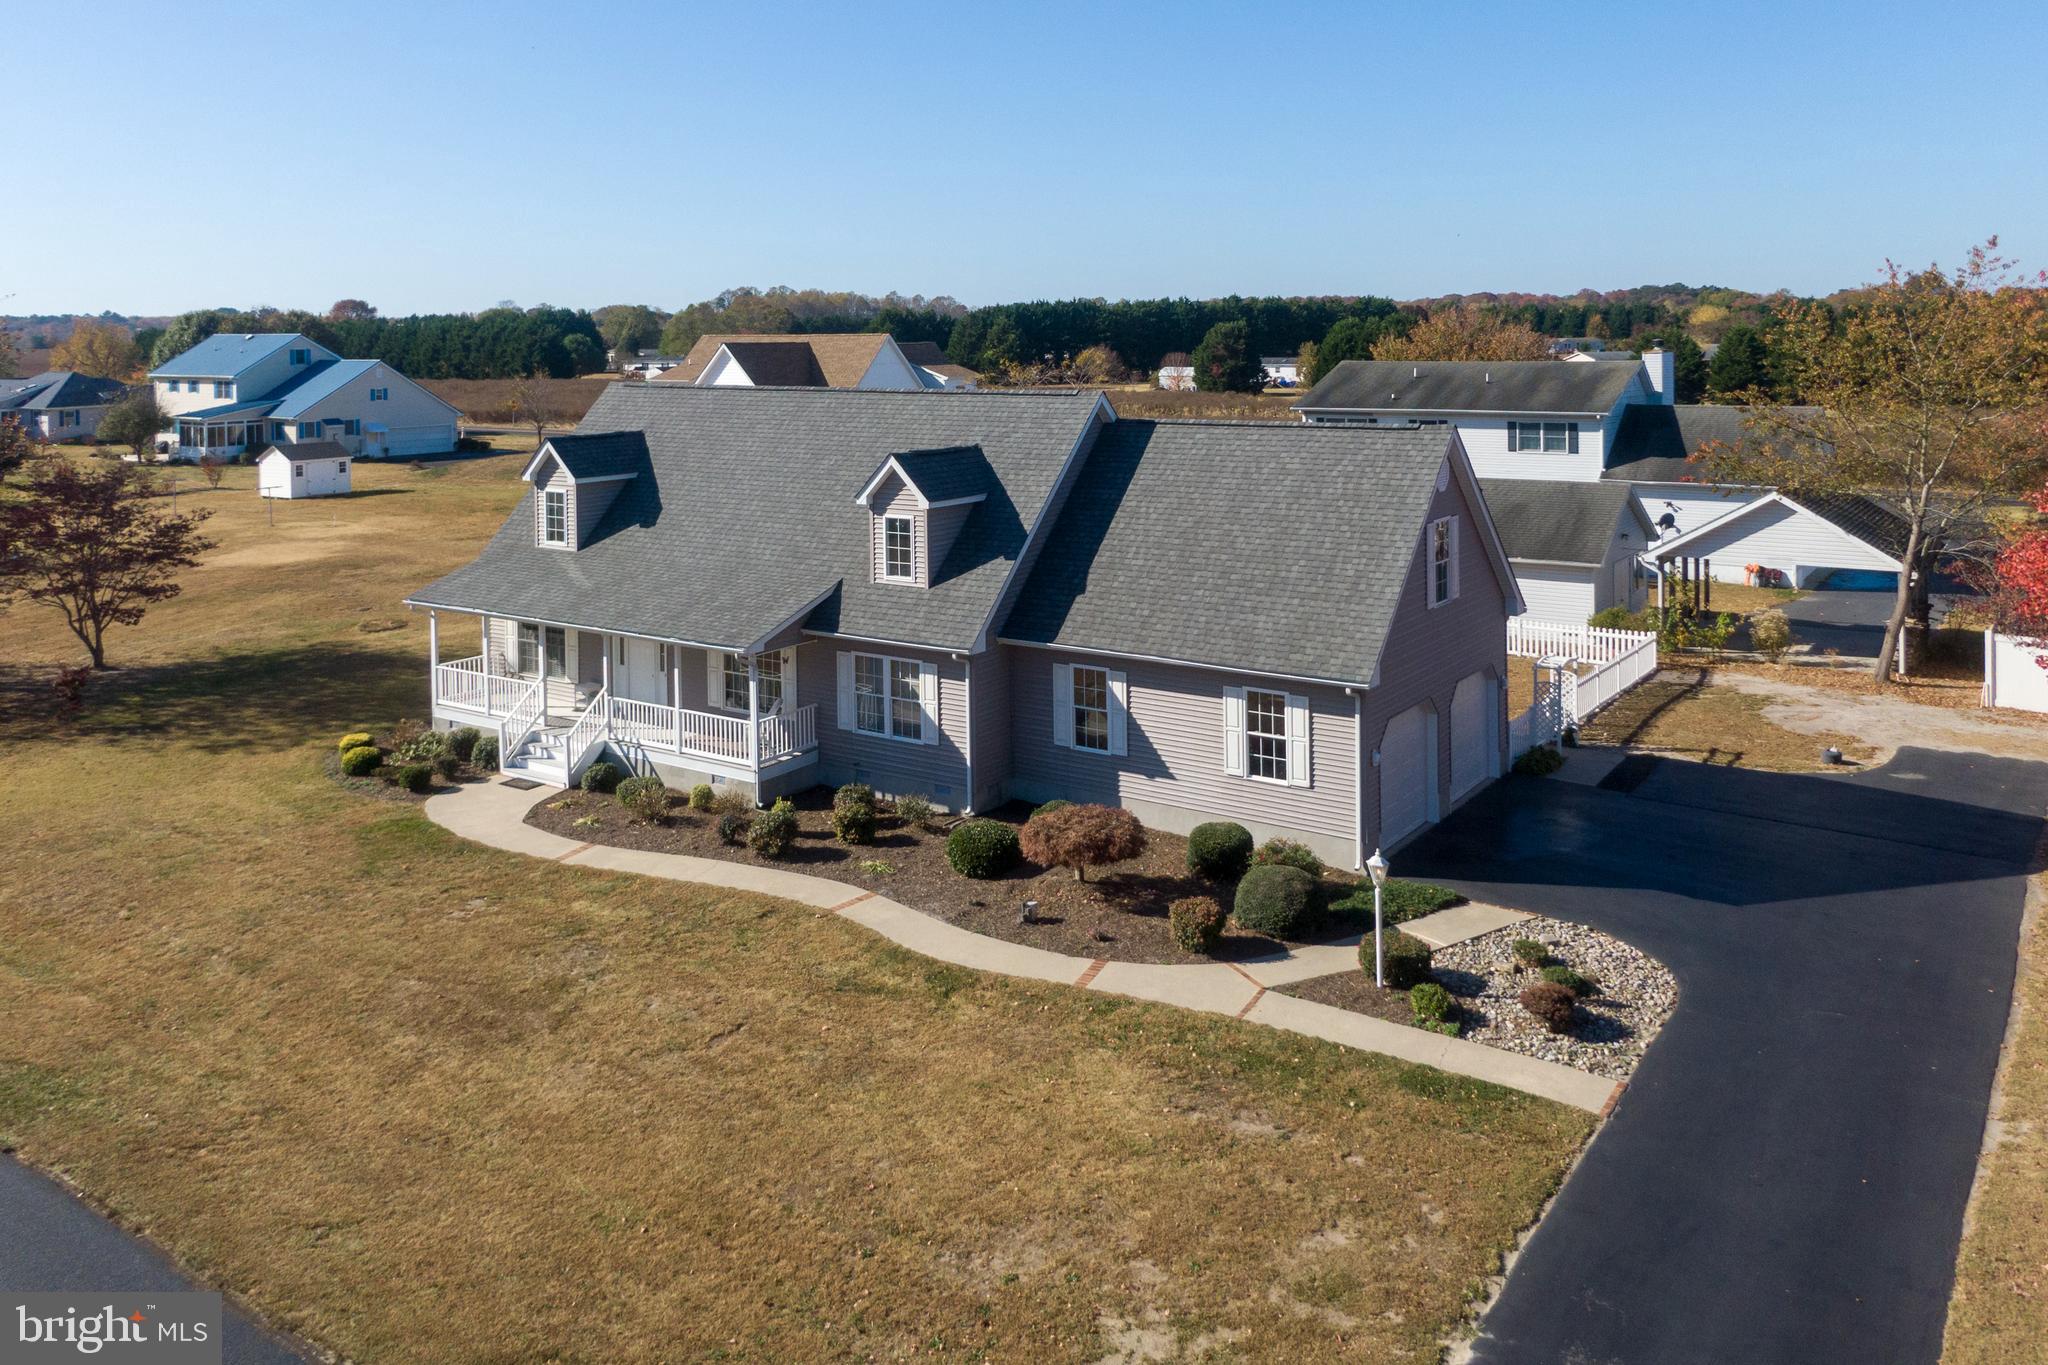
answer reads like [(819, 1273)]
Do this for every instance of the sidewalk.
[(494, 814)]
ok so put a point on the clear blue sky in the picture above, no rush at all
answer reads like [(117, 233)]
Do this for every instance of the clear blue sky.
[(433, 156)]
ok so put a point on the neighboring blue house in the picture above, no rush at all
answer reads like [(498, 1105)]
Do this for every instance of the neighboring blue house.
[(239, 391)]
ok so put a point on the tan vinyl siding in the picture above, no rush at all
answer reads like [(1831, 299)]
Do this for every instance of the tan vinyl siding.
[(894, 499), (556, 477), (891, 766)]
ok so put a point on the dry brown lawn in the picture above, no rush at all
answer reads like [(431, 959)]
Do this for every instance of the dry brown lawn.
[(1681, 714), (490, 400), (1153, 401), (426, 1101)]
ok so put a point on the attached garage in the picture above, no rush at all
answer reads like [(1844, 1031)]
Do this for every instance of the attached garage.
[(1407, 774), (434, 439), (1475, 734)]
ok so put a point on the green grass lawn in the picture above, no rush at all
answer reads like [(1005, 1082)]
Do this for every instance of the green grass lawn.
[(425, 1101)]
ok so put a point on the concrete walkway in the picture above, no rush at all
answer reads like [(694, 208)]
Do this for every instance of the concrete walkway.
[(494, 814)]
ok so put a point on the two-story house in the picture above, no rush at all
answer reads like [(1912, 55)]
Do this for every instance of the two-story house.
[(59, 405), (984, 596), (238, 391), (1564, 425)]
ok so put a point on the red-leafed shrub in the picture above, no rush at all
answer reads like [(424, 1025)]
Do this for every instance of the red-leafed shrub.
[(1083, 836), (1555, 1005)]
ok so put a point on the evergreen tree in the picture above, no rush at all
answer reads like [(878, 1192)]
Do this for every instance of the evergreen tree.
[(1741, 364), (1224, 362), (1689, 369)]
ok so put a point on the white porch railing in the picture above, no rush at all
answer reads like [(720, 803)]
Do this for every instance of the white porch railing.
[(1589, 644), (464, 683), (646, 723), (586, 736), (711, 734), (791, 733), (521, 720)]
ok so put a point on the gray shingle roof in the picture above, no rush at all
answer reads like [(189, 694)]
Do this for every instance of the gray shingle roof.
[(943, 475), (746, 516), (1863, 517), (601, 455), (311, 450), (1507, 386), (1653, 441), (1269, 547), (58, 389), (1557, 521)]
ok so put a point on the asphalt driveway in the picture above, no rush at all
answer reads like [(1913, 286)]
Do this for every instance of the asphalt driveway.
[(1785, 1178), (1850, 623)]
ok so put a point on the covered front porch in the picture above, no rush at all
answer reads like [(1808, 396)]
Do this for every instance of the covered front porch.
[(559, 696)]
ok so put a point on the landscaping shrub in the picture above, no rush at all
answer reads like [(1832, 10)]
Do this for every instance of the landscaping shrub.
[(1551, 1003), (355, 739), (854, 824), (700, 796), (1406, 958), (1770, 633), (1580, 986), (854, 794), (414, 777), (485, 754), (1077, 836), (1197, 923), (1529, 952), (645, 798), (1430, 1002), (447, 765), (982, 849), (733, 801), (1621, 618), (1220, 850), (423, 747), (1540, 761), (462, 742), (732, 826), (1287, 853), (1048, 808), (405, 732), (914, 811), (601, 777), (1277, 899), (362, 760), (773, 831)]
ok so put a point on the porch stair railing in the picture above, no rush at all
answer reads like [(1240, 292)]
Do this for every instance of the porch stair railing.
[(587, 736), (520, 722)]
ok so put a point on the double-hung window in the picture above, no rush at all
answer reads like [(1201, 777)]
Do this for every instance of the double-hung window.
[(888, 697), (1443, 560), (1265, 734), (906, 702), (1553, 438), (1091, 709), (223, 389), (871, 714), (554, 527), (528, 662), (733, 680), (898, 539)]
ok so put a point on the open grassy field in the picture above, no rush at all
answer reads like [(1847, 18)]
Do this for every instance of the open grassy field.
[(425, 1101), (490, 400)]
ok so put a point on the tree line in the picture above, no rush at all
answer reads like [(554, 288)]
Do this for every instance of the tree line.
[(505, 342)]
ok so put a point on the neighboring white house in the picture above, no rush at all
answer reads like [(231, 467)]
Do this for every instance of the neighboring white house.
[(314, 469), (937, 371), (1177, 371), (801, 360), (646, 364), (59, 405), (1282, 371), (1574, 546), (236, 392)]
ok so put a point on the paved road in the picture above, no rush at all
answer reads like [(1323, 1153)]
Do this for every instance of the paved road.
[(51, 1241), (1784, 1181)]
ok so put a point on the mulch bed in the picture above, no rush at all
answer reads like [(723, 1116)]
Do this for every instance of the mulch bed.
[(1119, 913), (1354, 991)]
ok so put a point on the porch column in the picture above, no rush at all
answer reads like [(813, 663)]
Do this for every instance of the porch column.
[(754, 722), (675, 691), (605, 674), (434, 645)]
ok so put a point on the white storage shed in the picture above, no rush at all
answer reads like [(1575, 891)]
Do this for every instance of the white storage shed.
[(304, 469)]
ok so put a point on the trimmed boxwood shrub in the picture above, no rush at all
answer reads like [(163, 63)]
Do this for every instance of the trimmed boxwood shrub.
[(414, 777), (854, 823), (982, 849), (773, 831), (362, 760), (1407, 959), (1551, 1003), (1220, 850), (1049, 807), (1530, 952), (854, 794), (1288, 853), (1579, 986), (1539, 762), (485, 754), (732, 826), (700, 796), (645, 798), (462, 742), (602, 777), (1276, 899), (1431, 1003), (355, 739), (1197, 923), (447, 765)]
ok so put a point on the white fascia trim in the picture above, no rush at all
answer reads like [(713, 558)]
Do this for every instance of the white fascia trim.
[(886, 644), (1232, 669), (886, 468), (1555, 563), (528, 619), (546, 447), (958, 502), (1662, 549)]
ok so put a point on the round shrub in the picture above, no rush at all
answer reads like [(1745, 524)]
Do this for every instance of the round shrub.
[(1539, 762), (1081, 836), (423, 747), (1579, 986), (1276, 899), (700, 796), (1406, 958), (914, 811), (1220, 850), (1431, 1003), (854, 824), (1551, 1003), (1049, 807), (982, 849), (362, 760), (1530, 952), (447, 765), (773, 831), (645, 798), (1197, 923), (414, 777), (485, 754), (354, 739), (602, 777), (733, 825), (1288, 853), (854, 794), (462, 742)]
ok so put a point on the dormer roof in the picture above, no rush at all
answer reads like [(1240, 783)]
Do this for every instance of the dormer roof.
[(936, 478), (593, 458)]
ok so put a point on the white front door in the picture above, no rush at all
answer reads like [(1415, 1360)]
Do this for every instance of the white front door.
[(637, 674), (1405, 775)]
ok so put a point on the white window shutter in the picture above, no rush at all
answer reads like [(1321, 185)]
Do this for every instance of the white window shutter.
[(846, 702), (1119, 712), (1233, 731), (1063, 705), (1297, 741), (714, 679), (928, 696), (789, 682), (1452, 523)]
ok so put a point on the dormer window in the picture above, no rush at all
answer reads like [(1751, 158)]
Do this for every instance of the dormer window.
[(301, 356), (899, 538), (554, 528)]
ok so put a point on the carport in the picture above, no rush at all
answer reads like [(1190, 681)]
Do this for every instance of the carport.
[(1797, 542)]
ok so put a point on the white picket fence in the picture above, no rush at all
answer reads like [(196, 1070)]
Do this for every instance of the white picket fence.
[(1621, 659), (1534, 639)]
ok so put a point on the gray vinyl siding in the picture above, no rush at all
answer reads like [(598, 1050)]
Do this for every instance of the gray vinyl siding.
[(941, 528), (988, 695), (557, 477), (1429, 651), (894, 499), (1174, 758), (1557, 594), (891, 766)]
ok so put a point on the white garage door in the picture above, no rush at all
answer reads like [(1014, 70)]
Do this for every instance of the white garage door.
[(1404, 775), (1472, 734), (429, 440)]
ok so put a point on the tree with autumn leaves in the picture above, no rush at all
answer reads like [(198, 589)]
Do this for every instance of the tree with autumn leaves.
[(1926, 391)]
